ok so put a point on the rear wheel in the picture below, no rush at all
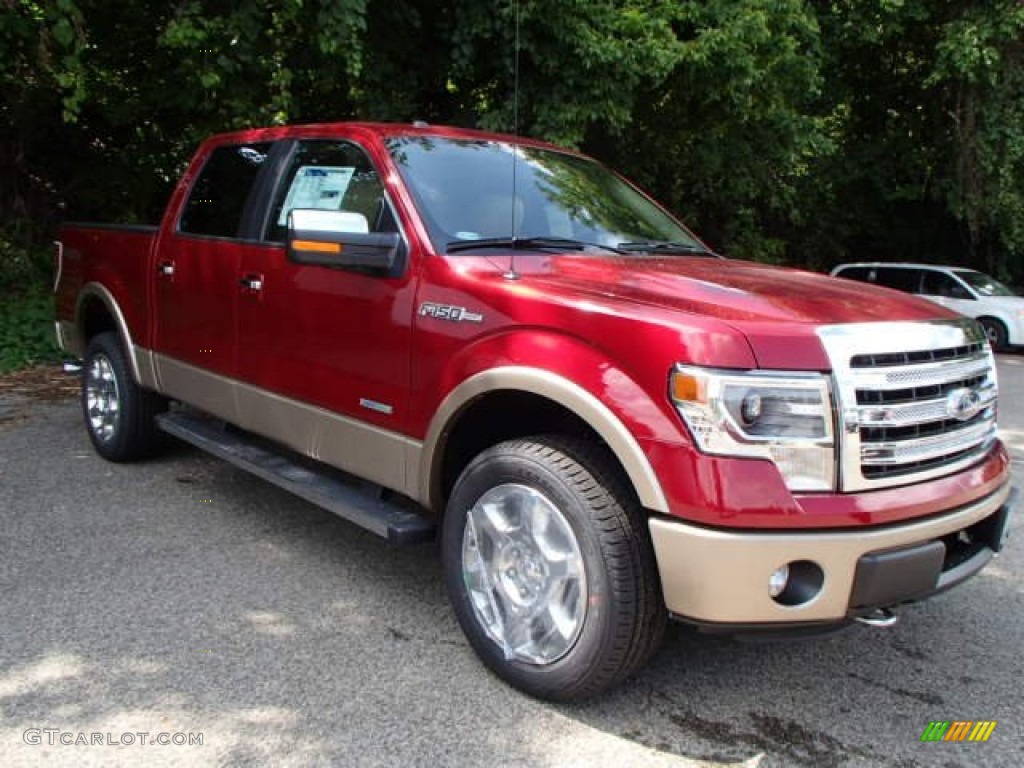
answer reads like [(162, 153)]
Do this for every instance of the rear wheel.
[(550, 569), (998, 338), (119, 414)]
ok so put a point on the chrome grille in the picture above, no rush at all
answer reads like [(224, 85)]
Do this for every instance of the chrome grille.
[(915, 400)]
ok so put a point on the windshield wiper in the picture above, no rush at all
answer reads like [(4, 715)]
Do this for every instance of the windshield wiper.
[(665, 246), (526, 244)]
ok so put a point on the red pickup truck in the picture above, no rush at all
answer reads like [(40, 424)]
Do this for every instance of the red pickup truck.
[(430, 329)]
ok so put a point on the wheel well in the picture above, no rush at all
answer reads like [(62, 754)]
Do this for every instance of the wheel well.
[(94, 318), (991, 319), (504, 415)]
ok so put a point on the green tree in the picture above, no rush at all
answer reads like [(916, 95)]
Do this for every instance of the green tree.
[(925, 108), (800, 131), (726, 139), (582, 63), (979, 68)]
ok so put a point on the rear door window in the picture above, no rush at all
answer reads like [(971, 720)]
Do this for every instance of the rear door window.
[(221, 191)]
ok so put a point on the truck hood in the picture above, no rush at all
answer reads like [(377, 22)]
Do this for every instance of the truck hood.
[(778, 310), (729, 290)]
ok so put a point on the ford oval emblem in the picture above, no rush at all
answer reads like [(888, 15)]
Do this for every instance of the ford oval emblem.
[(962, 404)]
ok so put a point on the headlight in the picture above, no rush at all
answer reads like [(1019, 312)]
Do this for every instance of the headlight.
[(785, 418)]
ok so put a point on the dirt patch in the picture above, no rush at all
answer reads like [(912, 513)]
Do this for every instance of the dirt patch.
[(40, 382)]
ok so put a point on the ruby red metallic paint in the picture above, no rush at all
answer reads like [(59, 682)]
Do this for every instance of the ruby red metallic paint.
[(615, 326)]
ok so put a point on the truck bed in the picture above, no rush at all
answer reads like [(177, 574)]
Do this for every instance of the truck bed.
[(115, 256)]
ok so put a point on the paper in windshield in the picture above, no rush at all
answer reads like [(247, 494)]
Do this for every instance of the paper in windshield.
[(316, 186)]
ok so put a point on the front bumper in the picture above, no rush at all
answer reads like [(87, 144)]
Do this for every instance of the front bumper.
[(720, 577)]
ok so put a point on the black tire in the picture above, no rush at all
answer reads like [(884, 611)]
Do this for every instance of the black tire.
[(129, 433), (998, 338), (623, 615)]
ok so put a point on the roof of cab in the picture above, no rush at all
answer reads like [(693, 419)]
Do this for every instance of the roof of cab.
[(381, 130)]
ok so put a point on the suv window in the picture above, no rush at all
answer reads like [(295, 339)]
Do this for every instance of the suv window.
[(900, 278), (941, 284), (217, 200), (333, 176), (856, 273), (983, 284)]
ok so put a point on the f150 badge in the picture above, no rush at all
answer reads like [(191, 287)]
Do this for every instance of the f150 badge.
[(448, 312)]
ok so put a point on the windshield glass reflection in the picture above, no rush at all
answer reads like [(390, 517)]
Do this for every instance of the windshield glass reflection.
[(464, 190)]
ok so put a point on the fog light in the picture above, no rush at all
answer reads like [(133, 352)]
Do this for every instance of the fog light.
[(778, 580)]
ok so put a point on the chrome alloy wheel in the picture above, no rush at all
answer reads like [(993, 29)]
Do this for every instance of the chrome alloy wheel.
[(102, 398), (524, 572)]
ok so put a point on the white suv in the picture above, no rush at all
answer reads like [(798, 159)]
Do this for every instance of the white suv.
[(975, 294)]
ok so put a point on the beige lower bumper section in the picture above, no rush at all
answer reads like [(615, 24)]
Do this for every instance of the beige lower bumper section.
[(715, 575)]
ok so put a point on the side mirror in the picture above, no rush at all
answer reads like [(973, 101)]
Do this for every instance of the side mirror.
[(339, 239)]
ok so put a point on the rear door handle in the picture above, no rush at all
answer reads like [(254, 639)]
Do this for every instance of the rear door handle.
[(252, 283), (165, 269)]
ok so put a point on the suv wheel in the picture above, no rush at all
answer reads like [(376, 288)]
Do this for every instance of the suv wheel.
[(996, 333), (550, 569)]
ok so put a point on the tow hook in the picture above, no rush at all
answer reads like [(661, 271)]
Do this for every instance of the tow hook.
[(880, 617), (73, 367)]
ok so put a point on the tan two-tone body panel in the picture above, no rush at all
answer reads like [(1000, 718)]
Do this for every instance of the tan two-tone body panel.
[(716, 576), (372, 453), (395, 461)]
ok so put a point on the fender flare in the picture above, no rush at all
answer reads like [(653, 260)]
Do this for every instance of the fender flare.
[(559, 390), (100, 292)]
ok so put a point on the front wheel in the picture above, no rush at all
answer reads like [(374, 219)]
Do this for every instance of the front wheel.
[(119, 414), (550, 569)]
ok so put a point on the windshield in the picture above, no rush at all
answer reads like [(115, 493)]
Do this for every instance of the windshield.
[(983, 284), (464, 192)]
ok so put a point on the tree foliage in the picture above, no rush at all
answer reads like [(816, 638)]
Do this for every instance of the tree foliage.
[(799, 131), (980, 69)]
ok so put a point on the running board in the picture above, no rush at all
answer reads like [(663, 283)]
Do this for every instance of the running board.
[(323, 487)]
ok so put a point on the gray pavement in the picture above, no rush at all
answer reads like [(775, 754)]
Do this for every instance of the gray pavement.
[(182, 596)]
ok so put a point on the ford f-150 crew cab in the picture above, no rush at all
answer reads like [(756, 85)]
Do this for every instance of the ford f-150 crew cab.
[(607, 424)]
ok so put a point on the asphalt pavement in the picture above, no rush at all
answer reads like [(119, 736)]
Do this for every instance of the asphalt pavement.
[(181, 599)]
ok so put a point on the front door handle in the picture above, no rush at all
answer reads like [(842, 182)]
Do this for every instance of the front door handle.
[(165, 269), (252, 283)]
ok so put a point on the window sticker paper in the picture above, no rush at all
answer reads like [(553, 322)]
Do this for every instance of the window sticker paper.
[(321, 187)]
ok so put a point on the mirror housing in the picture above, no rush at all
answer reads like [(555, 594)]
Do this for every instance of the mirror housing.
[(339, 239)]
